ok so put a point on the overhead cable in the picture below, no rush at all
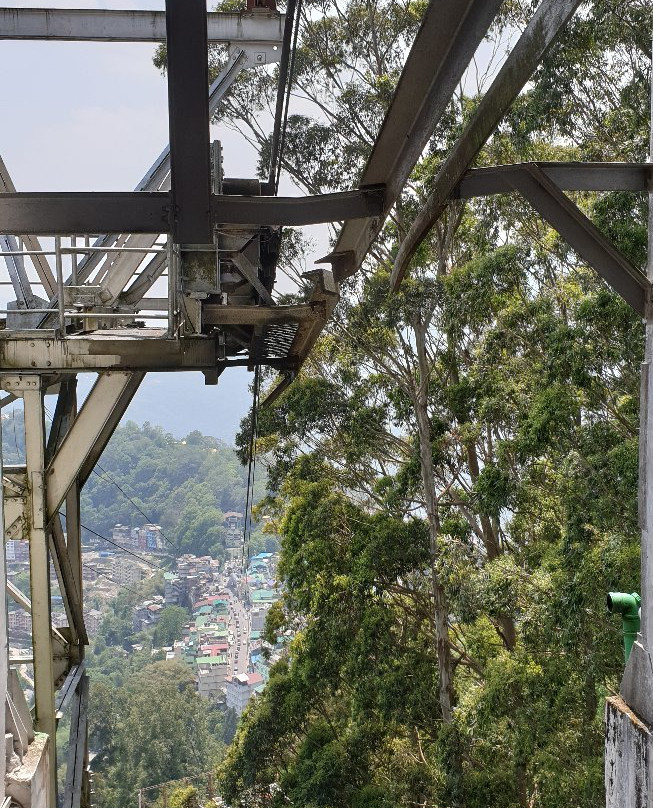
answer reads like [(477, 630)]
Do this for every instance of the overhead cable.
[(284, 65)]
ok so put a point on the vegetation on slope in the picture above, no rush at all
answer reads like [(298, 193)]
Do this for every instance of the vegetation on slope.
[(455, 468)]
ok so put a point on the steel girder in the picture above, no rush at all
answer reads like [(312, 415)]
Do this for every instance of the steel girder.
[(539, 35), (141, 212), (103, 25), (567, 176), (188, 117), (581, 234), (100, 414), (445, 43)]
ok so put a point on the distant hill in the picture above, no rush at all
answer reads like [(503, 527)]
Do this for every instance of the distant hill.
[(147, 474)]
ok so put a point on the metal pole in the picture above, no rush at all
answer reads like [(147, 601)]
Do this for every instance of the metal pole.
[(60, 285), (4, 644), (73, 250), (637, 683), (40, 574)]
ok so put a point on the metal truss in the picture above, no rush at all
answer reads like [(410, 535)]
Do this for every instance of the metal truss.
[(214, 243)]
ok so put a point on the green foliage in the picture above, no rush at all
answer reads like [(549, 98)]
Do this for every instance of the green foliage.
[(152, 729), (168, 628), (185, 486), (454, 473)]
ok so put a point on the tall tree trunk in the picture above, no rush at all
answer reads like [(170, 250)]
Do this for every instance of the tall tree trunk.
[(440, 604)]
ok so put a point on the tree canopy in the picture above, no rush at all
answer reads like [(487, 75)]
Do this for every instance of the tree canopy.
[(454, 471)]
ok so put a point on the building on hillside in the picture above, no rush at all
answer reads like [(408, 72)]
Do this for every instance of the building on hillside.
[(19, 620), (175, 592), (211, 676), (17, 550), (258, 615), (92, 621), (122, 534), (58, 619), (125, 571), (153, 537), (233, 520), (240, 688), (89, 574)]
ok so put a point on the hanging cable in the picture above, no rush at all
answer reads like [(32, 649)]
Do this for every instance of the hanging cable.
[(126, 495), (109, 578), (251, 469), (291, 74), (119, 546), (284, 63)]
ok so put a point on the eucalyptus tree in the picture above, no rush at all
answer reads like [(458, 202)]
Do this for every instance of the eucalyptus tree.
[(454, 471)]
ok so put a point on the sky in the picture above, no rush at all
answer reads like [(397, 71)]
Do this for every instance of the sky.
[(80, 116)]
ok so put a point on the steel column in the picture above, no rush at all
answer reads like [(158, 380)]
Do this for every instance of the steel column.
[(188, 111), (40, 573), (4, 649)]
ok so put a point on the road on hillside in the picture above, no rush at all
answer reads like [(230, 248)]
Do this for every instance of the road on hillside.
[(239, 627)]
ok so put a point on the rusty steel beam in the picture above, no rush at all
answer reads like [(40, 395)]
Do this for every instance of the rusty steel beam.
[(539, 35)]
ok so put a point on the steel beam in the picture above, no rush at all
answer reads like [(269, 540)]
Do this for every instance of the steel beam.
[(140, 212), (581, 234), (68, 582), (16, 269), (538, 37), (65, 213), (40, 575), (103, 25), (107, 430), (292, 211), (72, 797), (125, 350), (450, 32), (40, 261), (567, 176), (4, 645), (217, 314), (188, 118), (104, 405), (157, 177), (69, 687)]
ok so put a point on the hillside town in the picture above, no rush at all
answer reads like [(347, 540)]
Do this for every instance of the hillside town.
[(227, 600)]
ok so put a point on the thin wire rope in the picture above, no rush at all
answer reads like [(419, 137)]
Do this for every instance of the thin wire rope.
[(291, 74), (109, 578), (126, 495), (251, 470), (119, 546), (281, 91)]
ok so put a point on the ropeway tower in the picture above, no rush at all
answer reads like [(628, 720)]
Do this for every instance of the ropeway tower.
[(213, 243)]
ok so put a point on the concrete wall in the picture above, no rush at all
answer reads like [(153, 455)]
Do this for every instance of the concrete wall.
[(628, 755)]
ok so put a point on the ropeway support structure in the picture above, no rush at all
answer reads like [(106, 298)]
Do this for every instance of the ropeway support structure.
[(213, 243)]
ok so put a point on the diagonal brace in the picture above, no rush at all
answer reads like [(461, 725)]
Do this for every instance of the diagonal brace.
[(582, 235), (532, 46), (89, 434)]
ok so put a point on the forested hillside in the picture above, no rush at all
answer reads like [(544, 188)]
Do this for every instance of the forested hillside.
[(186, 485), (455, 467)]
